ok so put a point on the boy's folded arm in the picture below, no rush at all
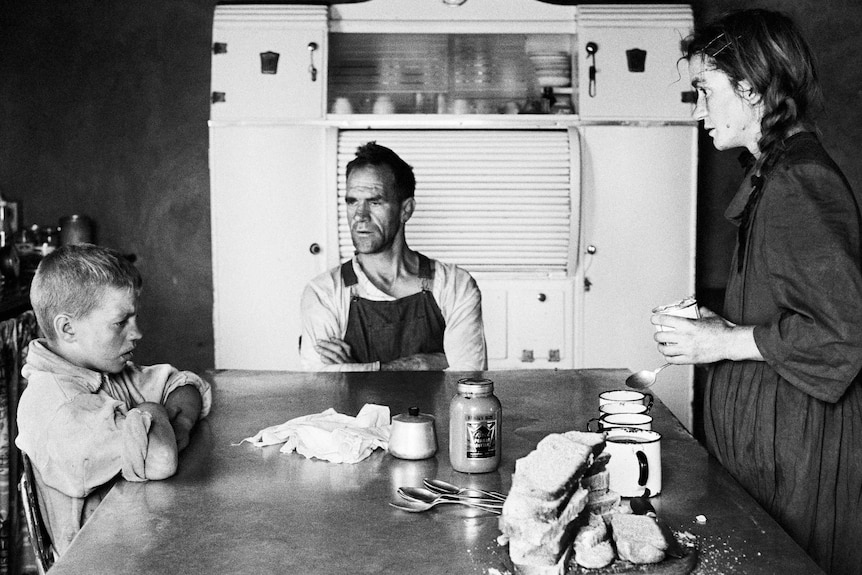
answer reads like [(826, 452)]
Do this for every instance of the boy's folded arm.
[(161, 457), (87, 442), (167, 379), (183, 405)]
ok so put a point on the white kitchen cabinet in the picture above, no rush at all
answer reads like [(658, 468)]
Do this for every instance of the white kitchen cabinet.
[(638, 214), (528, 323), (277, 161), (629, 65), (268, 62), (269, 237)]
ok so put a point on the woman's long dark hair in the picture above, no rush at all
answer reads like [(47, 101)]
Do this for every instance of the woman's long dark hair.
[(766, 49)]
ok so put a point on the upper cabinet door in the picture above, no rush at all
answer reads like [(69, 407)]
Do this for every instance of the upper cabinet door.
[(629, 63), (268, 63)]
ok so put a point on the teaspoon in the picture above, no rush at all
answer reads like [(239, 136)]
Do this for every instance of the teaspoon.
[(440, 486), (643, 379), (425, 496), (418, 506)]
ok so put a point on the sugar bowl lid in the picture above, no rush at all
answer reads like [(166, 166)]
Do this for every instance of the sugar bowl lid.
[(413, 416)]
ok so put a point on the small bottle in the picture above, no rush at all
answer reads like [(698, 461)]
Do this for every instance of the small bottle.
[(475, 427), (10, 261), (50, 241)]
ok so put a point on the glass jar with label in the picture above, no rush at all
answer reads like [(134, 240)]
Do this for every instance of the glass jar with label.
[(475, 426)]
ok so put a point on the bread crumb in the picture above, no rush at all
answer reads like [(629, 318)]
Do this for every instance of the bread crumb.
[(701, 519)]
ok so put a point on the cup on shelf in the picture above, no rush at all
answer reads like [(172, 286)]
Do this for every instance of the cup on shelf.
[(461, 106), (342, 106), (384, 105)]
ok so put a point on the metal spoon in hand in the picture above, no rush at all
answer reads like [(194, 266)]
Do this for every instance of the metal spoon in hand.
[(643, 379)]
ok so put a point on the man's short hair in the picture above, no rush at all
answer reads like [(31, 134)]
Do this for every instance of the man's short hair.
[(72, 279), (373, 154)]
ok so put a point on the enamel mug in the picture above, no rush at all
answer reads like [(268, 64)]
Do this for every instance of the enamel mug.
[(635, 462), (609, 420), (626, 396)]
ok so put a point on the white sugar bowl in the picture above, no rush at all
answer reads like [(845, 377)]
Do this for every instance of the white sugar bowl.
[(413, 435)]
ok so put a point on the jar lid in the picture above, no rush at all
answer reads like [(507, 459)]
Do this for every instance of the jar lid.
[(413, 416), (475, 385)]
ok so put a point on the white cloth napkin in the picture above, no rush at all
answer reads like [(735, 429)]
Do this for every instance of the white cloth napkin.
[(331, 435)]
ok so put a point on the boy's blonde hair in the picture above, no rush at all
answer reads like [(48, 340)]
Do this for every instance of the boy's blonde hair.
[(72, 279)]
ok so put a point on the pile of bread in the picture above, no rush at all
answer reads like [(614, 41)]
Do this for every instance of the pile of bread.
[(560, 504)]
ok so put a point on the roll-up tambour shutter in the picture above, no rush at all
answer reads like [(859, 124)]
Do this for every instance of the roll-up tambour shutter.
[(503, 201)]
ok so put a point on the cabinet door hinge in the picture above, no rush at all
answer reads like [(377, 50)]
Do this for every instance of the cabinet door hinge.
[(220, 48)]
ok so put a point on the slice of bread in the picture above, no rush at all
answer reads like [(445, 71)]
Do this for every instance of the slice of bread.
[(550, 470), (638, 538), (601, 503), (596, 441), (545, 500), (558, 568), (597, 483), (599, 464), (592, 544), (521, 503), (539, 532), (600, 555)]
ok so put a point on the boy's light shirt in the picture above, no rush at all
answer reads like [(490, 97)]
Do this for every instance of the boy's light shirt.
[(81, 428)]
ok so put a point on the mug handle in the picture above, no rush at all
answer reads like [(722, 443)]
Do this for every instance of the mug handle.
[(643, 465), (649, 403), (598, 426)]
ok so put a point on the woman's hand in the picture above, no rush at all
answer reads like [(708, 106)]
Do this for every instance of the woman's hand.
[(709, 339)]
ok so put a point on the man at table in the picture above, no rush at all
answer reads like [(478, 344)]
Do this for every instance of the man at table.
[(389, 308)]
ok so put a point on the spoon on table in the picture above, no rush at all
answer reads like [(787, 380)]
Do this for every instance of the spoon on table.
[(643, 379), (420, 495), (419, 507), (440, 486)]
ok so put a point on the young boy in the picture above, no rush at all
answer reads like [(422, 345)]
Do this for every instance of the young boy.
[(88, 413)]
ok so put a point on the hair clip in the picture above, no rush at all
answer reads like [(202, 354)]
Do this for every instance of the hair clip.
[(727, 42)]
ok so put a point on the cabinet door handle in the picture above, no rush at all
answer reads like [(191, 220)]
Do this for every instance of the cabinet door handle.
[(592, 48), (314, 248), (312, 46)]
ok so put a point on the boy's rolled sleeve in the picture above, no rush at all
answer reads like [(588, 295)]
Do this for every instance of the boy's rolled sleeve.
[(135, 444), (157, 382)]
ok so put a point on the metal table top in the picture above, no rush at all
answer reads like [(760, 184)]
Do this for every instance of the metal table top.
[(240, 509)]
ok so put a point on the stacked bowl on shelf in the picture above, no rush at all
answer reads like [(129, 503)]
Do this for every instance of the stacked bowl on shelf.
[(552, 68)]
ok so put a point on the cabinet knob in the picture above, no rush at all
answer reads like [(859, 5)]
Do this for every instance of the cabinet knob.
[(314, 248), (541, 297), (591, 249)]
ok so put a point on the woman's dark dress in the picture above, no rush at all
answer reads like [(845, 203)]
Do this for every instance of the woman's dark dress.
[(790, 428)]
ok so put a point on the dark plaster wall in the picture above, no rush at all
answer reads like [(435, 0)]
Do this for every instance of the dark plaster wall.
[(103, 111)]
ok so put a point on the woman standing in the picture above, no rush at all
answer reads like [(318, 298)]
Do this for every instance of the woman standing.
[(783, 401)]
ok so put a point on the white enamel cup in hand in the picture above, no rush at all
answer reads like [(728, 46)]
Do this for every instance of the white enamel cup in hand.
[(609, 420), (635, 462), (626, 396)]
